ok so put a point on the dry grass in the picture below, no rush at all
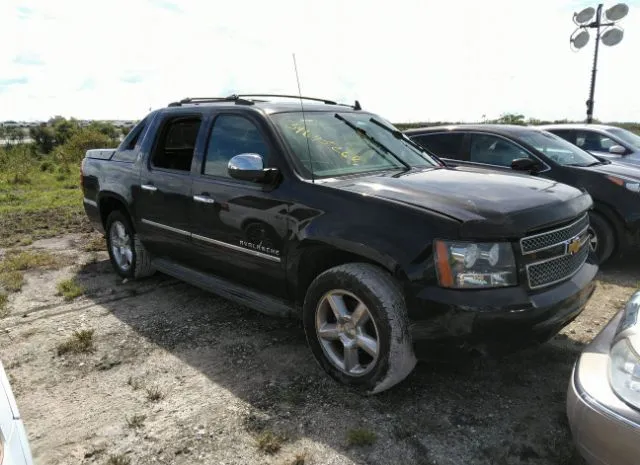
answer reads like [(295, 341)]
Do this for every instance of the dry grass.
[(4, 299), (79, 342), (69, 289), (12, 281), (28, 260), (95, 243), (154, 393), (119, 459), (136, 421), (299, 459), (361, 437), (269, 442), (135, 383)]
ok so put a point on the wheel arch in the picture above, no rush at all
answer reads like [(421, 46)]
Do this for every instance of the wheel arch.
[(108, 202), (313, 257)]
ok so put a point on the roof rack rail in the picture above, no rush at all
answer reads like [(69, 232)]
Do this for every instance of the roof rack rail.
[(197, 100), (323, 100), (247, 99)]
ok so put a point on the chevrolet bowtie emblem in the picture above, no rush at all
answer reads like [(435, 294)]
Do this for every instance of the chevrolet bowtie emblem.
[(573, 246)]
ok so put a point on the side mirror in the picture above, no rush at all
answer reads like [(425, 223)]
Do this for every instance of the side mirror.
[(525, 164), (247, 167), (617, 150)]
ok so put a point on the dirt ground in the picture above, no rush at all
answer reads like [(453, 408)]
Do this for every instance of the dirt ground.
[(179, 376)]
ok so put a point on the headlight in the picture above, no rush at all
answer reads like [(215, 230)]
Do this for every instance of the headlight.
[(624, 362), (625, 372), (475, 265), (630, 184)]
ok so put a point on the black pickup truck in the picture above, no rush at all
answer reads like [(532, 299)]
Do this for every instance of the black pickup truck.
[(327, 212)]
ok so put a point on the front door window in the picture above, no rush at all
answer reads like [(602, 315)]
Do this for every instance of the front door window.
[(494, 150)]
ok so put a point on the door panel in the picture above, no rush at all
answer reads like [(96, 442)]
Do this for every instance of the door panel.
[(163, 199), (241, 227), (162, 203), (242, 233)]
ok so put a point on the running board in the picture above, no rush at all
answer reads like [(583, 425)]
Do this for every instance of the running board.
[(240, 294)]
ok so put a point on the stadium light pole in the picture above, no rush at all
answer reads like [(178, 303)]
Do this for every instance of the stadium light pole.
[(593, 18)]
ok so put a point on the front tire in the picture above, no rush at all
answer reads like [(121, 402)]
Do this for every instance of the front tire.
[(356, 324), (128, 256), (602, 237)]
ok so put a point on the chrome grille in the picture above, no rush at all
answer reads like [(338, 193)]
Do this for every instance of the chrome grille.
[(557, 269), (554, 237)]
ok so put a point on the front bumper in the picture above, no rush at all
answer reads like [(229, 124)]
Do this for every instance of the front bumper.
[(605, 429), (498, 320)]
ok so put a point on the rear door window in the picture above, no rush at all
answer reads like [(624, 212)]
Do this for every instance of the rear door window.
[(566, 134), (176, 145), (444, 145)]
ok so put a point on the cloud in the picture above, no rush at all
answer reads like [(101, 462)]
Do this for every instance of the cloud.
[(28, 59), (87, 84), (13, 81), (9, 83), (132, 79), (24, 12), (166, 5)]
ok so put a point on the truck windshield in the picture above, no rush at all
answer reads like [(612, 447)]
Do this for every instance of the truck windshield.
[(558, 149), (334, 144), (627, 136)]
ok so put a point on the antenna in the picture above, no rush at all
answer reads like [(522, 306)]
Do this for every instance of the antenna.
[(304, 119)]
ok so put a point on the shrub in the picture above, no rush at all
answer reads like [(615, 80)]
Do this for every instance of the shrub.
[(79, 342), (72, 152)]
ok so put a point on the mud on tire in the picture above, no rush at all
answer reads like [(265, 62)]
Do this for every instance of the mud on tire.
[(357, 285), (139, 265)]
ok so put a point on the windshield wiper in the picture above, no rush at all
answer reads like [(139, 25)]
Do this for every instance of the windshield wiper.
[(401, 136), (373, 140), (582, 165)]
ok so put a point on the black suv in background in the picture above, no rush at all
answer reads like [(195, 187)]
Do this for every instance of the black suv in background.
[(615, 188), (334, 216)]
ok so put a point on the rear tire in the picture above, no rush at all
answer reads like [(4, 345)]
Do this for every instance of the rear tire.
[(603, 238), (356, 324), (128, 256)]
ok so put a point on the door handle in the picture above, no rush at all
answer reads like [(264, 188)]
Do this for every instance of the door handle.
[(203, 199), (149, 187)]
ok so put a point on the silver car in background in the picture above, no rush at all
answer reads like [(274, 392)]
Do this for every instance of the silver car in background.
[(611, 142), (603, 401), (14, 445)]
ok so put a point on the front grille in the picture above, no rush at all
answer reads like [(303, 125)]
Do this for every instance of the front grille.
[(552, 238), (556, 255), (557, 269)]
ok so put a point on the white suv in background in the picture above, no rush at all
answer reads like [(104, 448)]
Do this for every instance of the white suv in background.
[(611, 142)]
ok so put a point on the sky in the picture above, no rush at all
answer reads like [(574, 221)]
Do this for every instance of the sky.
[(406, 60)]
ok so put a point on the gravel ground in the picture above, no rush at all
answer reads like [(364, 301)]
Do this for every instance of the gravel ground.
[(174, 375)]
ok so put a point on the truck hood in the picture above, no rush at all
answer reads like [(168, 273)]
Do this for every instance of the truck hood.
[(487, 203)]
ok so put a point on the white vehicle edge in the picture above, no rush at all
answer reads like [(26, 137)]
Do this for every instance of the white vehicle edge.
[(14, 444)]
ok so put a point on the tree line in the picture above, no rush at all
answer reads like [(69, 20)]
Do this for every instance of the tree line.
[(59, 130)]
